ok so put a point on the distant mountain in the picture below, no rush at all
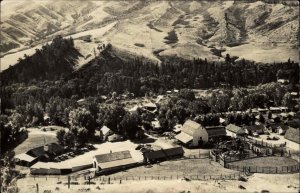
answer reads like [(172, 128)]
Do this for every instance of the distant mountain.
[(264, 31)]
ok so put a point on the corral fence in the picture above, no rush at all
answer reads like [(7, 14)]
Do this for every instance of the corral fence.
[(266, 170), (262, 143), (119, 179), (196, 156), (233, 176)]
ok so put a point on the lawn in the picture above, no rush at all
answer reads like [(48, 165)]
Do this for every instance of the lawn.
[(188, 167), (271, 161)]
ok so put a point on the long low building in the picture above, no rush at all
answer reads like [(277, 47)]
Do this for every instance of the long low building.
[(163, 154), (52, 168), (111, 162)]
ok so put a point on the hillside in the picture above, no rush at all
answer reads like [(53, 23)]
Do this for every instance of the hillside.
[(188, 29)]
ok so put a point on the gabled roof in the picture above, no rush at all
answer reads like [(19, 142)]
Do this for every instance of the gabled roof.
[(189, 127), (40, 151), (25, 157), (105, 130), (233, 128), (214, 131), (293, 134), (184, 138), (102, 158)]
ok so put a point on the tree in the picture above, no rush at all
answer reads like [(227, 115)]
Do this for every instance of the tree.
[(69, 139), (130, 124), (8, 174), (81, 117), (82, 136), (186, 94), (60, 135)]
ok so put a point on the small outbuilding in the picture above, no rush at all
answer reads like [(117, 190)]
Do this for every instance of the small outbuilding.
[(106, 132), (234, 131)]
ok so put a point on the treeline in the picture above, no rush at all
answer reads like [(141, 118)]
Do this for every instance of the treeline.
[(45, 79)]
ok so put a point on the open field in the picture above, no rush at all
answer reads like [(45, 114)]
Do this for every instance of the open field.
[(278, 183), (189, 167), (270, 161)]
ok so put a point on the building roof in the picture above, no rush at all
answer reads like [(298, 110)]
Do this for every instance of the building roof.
[(255, 128), (292, 134), (221, 120), (116, 159), (151, 105), (105, 130), (40, 151), (184, 138), (214, 131), (275, 109), (177, 128), (164, 153), (189, 127), (25, 157), (294, 93), (155, 124), (102, 158), (234, 128), (117, 163)]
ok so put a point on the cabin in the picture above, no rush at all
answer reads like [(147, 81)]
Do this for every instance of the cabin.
[(275, 110), (234, 131), (255, 129), (163, 154), (283, 81), (115, 137), (150, 107), (112, 162), (81, 102), (193, 134), (106, 132), (292, 136), (177, 128)]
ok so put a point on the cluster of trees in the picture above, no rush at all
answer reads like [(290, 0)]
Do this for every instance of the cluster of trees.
[(11, 132), (50, 62), (83, 122), (263, 95), (8, 174)]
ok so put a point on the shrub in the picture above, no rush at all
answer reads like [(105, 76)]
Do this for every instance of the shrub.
[(139, 45)]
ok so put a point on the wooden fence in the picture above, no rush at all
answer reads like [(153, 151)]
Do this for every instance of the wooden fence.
[(266, 170), (114, 179)]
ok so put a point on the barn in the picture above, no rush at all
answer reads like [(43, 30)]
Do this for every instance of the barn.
[(112, 162), (193, 134)]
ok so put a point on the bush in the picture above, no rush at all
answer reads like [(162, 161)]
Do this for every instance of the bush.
[(242, 187), (139, 45), (242, 179)]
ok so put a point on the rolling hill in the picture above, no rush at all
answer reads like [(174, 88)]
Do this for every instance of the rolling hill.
[(260, 30)]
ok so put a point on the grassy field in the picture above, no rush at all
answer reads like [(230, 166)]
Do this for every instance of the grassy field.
[(271, 161), (180, 167)]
